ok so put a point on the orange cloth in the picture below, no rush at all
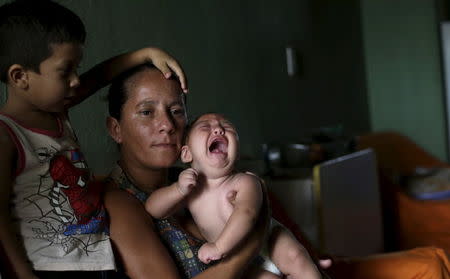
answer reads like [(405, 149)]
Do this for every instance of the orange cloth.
[(409, 223), (419, 263), (423, 223)]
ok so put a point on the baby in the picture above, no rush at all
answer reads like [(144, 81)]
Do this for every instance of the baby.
[(212, 149)]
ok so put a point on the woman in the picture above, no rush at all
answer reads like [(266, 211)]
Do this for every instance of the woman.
[(147, 121)]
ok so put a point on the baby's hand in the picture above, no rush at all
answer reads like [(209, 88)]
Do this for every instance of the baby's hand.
[(167, 64), (187, 180), (209, 252)]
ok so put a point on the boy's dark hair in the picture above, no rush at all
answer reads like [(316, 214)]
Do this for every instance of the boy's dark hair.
[(29, 27), (117, 93)]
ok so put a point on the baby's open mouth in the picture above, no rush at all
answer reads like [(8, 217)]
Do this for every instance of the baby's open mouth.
[(218, 146)]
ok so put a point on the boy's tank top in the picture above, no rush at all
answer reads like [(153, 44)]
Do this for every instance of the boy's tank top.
[(57, 209)]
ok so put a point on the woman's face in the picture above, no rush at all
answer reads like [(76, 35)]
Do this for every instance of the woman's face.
[(152, 122)]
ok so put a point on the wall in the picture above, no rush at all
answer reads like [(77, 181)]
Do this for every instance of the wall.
[(234, 55), (401, 44), (3, 94)]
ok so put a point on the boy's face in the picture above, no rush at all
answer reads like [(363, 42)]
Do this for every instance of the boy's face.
[(212, 143), (53, 88)]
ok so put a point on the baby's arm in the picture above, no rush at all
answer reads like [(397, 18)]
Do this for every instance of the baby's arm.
[(14, 251), (167, 200), (103, 73), (245, 213), (237, 263)]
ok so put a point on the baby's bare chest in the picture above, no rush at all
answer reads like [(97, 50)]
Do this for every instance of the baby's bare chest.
[(211, 210)]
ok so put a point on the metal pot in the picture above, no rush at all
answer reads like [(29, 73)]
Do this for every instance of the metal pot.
[(291, 155)]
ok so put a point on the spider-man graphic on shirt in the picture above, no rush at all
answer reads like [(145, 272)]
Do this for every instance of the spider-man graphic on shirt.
[(84, 195)]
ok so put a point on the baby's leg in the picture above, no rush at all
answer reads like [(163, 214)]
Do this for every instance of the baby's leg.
[(290, 256)]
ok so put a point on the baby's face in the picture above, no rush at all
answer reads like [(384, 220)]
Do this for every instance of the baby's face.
[(213, 143)]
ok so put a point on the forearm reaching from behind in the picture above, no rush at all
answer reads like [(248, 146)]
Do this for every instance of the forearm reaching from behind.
[(103, 73)]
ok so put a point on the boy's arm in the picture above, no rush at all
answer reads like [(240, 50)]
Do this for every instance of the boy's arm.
[(102, 74), (16, 256), (165, 201), (245, 213)]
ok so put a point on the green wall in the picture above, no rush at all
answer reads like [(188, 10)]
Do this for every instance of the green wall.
[(405, 89), (2, 93), (234, 55)]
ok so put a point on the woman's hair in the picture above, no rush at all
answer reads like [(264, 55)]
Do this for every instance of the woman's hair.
[(28, 28), (118, 91), (117, 94)]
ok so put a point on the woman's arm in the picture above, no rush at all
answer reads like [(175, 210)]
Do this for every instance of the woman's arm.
[(136, 242), (137, 245)]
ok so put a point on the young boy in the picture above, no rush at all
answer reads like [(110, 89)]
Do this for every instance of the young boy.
[(211, 147), (52, 216)]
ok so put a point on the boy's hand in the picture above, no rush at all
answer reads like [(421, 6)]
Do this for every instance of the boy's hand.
[(167, 64), (187, 180), (209, 252)]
